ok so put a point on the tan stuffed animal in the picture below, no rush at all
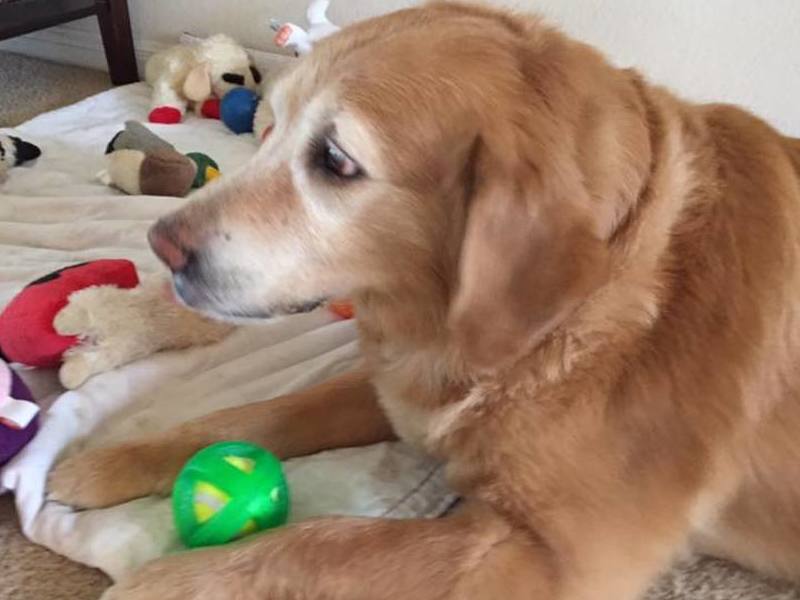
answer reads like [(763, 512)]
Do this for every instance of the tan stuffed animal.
[(117, 326), (196, 74)]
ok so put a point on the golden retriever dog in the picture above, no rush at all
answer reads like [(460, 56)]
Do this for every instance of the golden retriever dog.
[(580, 292)]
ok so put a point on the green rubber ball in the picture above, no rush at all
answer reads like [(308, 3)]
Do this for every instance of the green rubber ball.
[(229, 490)]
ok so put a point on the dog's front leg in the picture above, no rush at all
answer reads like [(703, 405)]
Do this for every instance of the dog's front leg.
[(472, 554), (337, 413)]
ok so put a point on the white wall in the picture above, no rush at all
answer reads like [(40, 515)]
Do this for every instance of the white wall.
[(742, 51)]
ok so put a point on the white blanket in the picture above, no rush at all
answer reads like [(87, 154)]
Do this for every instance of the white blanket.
[(53, 214)]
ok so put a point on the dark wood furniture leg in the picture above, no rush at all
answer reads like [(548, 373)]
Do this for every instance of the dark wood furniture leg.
[(115, 28)]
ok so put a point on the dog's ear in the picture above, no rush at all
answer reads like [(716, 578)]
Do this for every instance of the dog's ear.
[(529, 258), (197, 85)]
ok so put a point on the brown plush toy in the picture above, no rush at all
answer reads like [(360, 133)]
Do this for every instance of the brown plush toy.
[(140, 162)]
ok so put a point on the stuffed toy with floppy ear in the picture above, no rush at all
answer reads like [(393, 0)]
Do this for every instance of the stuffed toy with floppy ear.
[(14, 152), (197, 75), (197, 85)]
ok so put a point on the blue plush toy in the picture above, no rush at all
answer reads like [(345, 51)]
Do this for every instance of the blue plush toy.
[(238, 109)]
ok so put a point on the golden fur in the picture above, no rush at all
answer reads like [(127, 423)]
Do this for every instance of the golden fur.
[(578, 290)]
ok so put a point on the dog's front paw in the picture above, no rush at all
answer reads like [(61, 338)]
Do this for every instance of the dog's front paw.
[(106, 476)]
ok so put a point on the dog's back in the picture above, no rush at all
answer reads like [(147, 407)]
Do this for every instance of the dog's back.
[(738, 247)]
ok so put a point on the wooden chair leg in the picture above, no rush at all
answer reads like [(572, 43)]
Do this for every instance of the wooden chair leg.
[(115, 27)]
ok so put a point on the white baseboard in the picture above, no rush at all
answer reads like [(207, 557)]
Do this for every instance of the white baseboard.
[(69, 45), (74, 46)]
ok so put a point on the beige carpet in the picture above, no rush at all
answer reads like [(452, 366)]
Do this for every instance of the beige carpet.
[(28, 572), (29, 86), (708, 579)]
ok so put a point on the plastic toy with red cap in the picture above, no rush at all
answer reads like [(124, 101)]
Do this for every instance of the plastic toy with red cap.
[(299, 40)]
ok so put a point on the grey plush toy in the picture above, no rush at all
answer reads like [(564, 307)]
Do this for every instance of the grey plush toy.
[(136, 136), (13, 152)]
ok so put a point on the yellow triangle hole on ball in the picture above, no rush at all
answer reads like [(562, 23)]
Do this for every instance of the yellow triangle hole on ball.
[(242, 463), (208, 501), (248, 528)]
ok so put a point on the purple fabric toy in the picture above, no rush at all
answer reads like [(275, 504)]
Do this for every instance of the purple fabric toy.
[(18, 419)]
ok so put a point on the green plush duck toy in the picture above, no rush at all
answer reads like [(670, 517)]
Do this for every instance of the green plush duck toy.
[(207, 168)]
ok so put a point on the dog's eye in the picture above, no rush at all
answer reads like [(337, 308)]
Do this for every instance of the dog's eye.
[(335, 161)]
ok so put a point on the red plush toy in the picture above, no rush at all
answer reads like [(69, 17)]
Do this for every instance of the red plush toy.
[(27, 335)]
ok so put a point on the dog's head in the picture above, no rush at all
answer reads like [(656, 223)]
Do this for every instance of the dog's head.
[(477, 159)]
